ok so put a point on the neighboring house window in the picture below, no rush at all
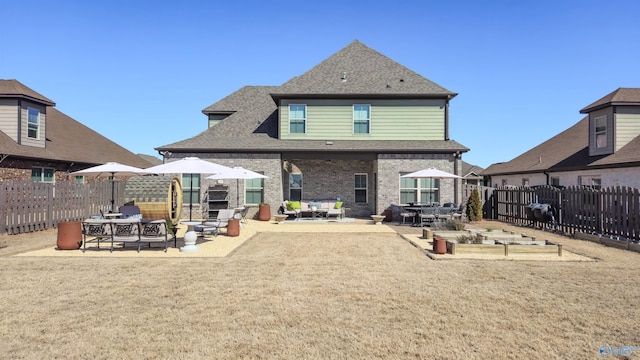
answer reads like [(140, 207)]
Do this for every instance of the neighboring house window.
[(191, 189), (43, 175), (361, 188), (525, 182), (555, 181), (297, 119), (596, 183), (33, 126), (361, 119), (504, 182), (295, 187), (254, 191), (79, 180), (601, 132)]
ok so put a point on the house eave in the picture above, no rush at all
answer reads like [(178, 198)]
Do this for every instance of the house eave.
[(447, 96)]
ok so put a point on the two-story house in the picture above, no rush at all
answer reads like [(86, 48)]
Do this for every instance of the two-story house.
[(41, 143), (601, 150), (348, 128)]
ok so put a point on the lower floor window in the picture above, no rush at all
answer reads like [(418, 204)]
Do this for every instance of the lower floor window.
[(361, 188), (191, 188), (424, 191), (295, 187), (254, 191)]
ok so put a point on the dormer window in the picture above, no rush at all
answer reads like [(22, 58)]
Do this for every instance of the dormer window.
[(601, 132), (33, 126)]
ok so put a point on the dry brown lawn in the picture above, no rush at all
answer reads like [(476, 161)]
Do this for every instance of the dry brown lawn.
[(315, 295)]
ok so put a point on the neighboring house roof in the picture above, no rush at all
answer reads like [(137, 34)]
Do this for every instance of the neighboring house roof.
[(359, 71), (15, 89), (621, 96), (151, 159), (252, 125), (567, 151), (470, 170), (68, 140)]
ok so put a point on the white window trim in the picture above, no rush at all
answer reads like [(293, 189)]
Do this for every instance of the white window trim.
[(366, 188), (37, 137), (306, 115), (353, 119), (603, 132)]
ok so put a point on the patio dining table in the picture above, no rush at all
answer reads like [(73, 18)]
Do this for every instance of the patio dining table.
[(437, 210)]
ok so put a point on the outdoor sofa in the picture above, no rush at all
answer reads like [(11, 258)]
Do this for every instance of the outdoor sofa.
[(313, 208)]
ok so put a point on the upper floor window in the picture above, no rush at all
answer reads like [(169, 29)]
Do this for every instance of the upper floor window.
[(361, 119), (33, 126), (297, 119), (601, 132), (43, 174)]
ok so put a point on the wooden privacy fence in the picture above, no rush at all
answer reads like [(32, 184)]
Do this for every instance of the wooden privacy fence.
[(612, 212), (27, 206)]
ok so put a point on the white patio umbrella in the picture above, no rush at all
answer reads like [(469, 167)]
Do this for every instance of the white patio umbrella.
[(431, 173), (111, 169), (238, 173), (189, 165)]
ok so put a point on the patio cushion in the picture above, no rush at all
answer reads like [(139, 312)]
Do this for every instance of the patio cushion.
[(338, 205), (293, 205)]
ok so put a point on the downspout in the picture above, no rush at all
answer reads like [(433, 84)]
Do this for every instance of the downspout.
[(18, 139), (547, 175), (456, 187), (446, 119)]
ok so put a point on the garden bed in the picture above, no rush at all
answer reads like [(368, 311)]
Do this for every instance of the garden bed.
[(503, 249)]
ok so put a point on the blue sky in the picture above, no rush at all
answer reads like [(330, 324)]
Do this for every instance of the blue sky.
[(140, 72)]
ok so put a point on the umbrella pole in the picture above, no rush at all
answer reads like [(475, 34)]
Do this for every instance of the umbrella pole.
[(237, 192), (190, 194), (113, 181)]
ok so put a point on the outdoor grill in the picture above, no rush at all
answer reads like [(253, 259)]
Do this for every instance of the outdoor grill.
[(544, 213)]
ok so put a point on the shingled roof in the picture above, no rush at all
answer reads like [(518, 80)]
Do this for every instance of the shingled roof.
[(621, 96), (252, 125), (567, 151), (15, 89), (70, 141), (357, 70), (67, 140)]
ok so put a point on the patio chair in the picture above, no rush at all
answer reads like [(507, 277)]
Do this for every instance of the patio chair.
[(95, 230), (241, 214), (427, 215), (214, 226), (154, 231), (404, 213), (125, 231)]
